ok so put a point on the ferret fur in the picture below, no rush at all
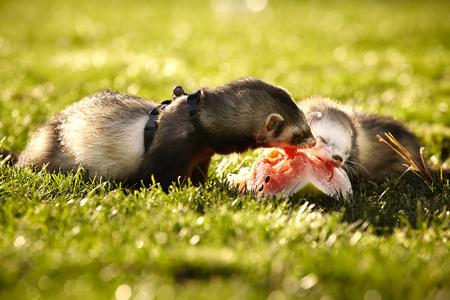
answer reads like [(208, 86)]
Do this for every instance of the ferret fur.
[(335, 131), (376, 160), (338, 129), (104, 133)]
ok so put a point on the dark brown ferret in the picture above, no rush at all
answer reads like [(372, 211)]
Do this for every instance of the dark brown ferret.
[(104, 133), (376, 160)]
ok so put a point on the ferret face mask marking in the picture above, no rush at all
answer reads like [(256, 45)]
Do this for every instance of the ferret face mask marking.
[(277, 137), (277, 132)]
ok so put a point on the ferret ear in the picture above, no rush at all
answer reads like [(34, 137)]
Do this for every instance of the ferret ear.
[(274, 121), (282, 88), (314, 116)]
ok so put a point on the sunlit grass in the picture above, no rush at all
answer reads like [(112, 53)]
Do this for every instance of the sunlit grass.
[(65, 237)]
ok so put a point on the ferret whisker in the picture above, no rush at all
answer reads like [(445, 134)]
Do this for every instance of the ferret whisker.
[(334, 128), (359, 165), (340, 130), (350, 170)]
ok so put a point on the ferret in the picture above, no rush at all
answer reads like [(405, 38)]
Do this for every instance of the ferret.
[(376, 160), (349, 139), (104, 133), (335, 131)]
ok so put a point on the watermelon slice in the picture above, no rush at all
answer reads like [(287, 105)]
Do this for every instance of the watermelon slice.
[(291, 171)]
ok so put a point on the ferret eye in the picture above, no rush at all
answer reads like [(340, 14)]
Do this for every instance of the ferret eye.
[(323, 140)]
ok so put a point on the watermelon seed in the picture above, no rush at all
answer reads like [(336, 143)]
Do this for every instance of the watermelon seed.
[(267, 179), (261, 187)]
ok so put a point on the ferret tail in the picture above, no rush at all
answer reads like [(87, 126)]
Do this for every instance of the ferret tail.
[(7, 157)]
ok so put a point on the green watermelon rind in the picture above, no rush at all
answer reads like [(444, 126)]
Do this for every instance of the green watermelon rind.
[(308, 190)]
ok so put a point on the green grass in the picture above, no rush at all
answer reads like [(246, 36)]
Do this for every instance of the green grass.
[(64, 237)]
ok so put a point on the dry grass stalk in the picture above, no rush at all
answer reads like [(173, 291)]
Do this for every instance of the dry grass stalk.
[(421, 168)]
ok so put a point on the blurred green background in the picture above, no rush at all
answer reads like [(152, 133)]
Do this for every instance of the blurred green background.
[(64, 238)]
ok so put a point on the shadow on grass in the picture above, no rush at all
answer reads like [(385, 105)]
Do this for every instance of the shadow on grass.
[(394, 203)]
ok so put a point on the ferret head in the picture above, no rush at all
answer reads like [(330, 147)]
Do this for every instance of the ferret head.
[(264, 114), (279, 132), (335, 137), (285, 124)]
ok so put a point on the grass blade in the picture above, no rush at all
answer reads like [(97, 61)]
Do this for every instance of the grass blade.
[(404, 153)]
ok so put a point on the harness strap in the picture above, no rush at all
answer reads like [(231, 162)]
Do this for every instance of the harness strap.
[(151, 125), (192, 100)]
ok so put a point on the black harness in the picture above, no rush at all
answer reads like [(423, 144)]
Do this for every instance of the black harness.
[(192, 101), (151, 125)]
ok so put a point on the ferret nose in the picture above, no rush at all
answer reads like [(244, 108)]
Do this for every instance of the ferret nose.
[(338, 158)]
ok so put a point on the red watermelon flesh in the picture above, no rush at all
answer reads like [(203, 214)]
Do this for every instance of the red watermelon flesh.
[(289, 171)]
